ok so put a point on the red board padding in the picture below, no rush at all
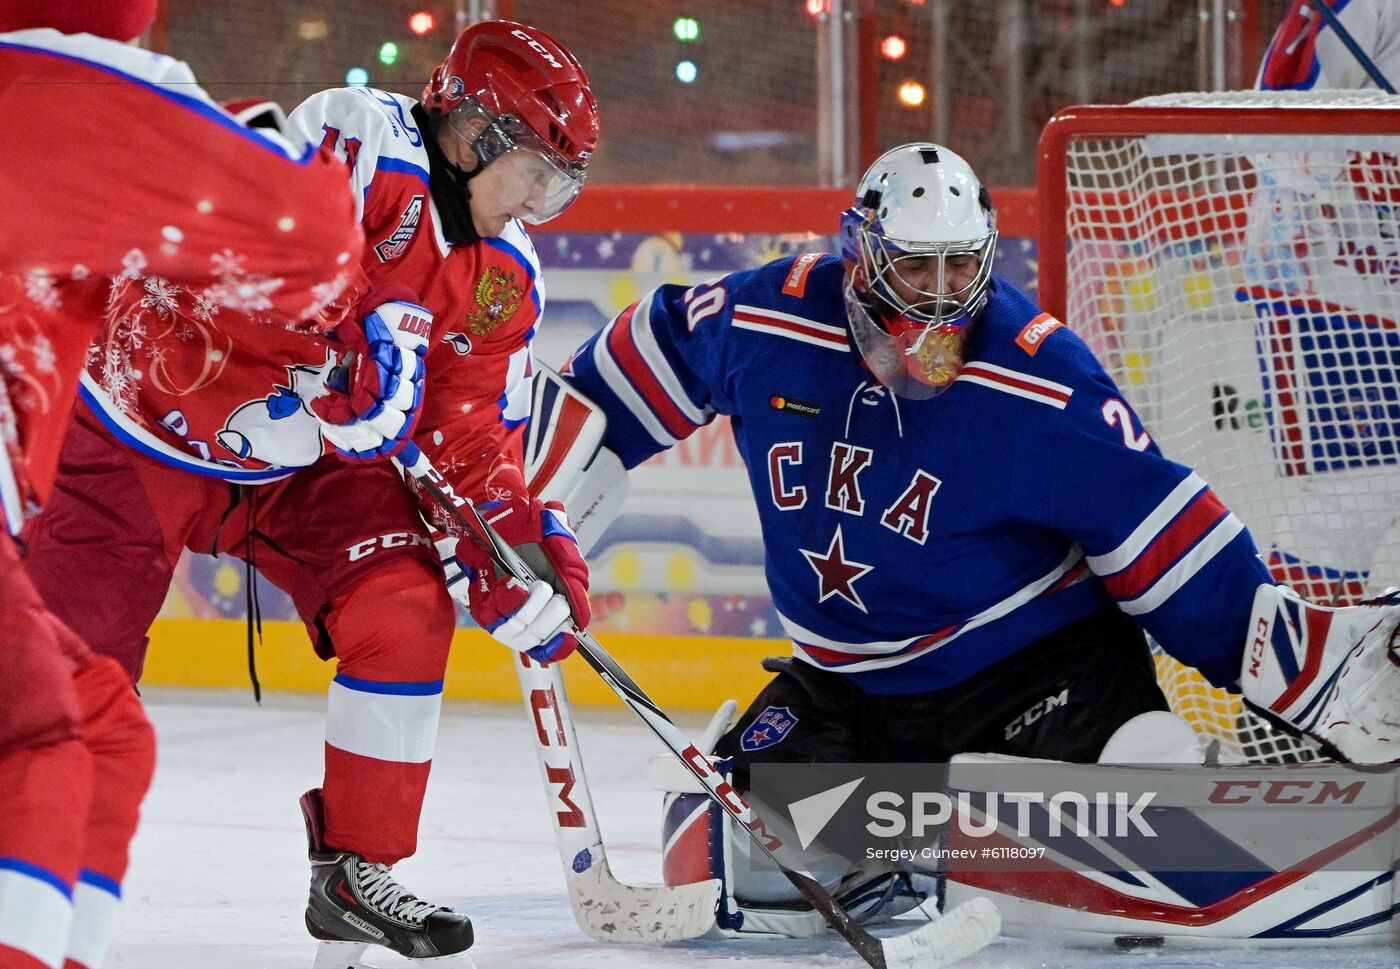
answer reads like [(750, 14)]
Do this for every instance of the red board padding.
[(743, 208)]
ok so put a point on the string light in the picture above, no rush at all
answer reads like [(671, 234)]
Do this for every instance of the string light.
[(912, 94)]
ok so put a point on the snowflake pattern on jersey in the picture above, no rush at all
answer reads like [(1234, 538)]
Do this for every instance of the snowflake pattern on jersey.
[(237, 288), (324, 295), (161, 296), (40, 289), (27, 359), (148, 317)]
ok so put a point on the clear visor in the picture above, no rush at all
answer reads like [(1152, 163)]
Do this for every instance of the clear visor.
[(554, 181), (936, 284)]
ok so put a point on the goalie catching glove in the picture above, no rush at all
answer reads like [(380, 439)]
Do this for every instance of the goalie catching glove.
[(1333, 673), (372, 396), (529, 618)]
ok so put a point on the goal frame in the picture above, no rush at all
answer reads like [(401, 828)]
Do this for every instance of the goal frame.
[(1128, 121), (1214, 712)]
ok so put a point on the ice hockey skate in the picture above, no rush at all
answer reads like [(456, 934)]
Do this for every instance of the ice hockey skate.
[(357, 907)]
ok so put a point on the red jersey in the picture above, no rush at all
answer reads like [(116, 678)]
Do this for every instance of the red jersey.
[(240, 220), (217, 393), (486, 298)]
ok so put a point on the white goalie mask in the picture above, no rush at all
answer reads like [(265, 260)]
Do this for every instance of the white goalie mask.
[(918, 245)]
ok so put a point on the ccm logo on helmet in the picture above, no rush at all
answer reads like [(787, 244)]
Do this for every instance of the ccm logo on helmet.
[(537, 47), (1036, 331)]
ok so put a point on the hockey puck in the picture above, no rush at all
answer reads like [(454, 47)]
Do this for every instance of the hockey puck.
[(1131, 943)]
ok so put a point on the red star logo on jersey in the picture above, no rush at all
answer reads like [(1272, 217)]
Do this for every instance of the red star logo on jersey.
[(836, 573)]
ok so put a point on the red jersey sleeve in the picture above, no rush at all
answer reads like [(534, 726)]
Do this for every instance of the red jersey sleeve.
[(189, 195)]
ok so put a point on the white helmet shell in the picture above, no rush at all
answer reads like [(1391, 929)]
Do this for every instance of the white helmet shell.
[(927, 195)]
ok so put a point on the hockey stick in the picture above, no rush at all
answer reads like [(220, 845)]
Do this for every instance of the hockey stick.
[(604, 907), (959, 933), (1344, 35)]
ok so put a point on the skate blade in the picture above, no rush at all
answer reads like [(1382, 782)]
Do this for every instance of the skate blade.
[(360, 955)]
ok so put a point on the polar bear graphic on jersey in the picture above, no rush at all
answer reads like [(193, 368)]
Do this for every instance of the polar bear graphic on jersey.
[(280, 429)]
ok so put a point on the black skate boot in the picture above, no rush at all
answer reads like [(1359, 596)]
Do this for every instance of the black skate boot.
[(356, 904)]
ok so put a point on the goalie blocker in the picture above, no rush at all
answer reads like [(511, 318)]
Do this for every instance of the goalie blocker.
[(565, 460)]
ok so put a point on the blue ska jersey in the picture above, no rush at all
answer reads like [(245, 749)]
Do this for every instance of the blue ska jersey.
[(912, 543)]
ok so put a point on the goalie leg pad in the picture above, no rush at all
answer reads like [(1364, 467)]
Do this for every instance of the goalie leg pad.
[(1276, 898), (700, 843), (1333, 673)]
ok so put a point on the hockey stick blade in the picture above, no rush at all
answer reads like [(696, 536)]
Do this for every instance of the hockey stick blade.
[(965, 930), (604, 907), (953, 936), (611, 911)]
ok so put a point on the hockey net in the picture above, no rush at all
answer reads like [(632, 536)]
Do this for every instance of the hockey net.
[(1234, 260)]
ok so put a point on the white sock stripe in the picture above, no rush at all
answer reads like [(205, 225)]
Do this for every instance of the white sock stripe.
[(35, 917), (94, 920), (383, 726)]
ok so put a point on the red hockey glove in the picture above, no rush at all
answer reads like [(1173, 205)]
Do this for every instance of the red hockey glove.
[(531, 618)]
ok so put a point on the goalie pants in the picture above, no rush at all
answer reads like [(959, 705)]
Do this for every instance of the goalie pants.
[(76, 758), (1060, 698), (344, 541)]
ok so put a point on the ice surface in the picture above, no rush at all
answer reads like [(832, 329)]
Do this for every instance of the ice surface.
[(219, 873)]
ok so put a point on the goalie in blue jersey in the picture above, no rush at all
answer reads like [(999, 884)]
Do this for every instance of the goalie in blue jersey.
[(968, 532)]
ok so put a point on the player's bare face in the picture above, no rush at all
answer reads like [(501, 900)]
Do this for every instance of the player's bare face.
[(511, 187)]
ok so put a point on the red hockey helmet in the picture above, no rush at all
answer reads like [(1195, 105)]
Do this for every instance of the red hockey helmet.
[(532, 93)]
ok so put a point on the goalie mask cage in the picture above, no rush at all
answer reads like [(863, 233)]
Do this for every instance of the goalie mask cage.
[(1234, 261)]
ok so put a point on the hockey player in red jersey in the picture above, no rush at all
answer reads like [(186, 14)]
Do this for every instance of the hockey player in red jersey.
[(198, 431), (76, 750)]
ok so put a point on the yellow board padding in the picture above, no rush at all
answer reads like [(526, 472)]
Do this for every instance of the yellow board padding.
[(693, 673)]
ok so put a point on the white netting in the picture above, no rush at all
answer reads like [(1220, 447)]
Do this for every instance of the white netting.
[(1243, 288)]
